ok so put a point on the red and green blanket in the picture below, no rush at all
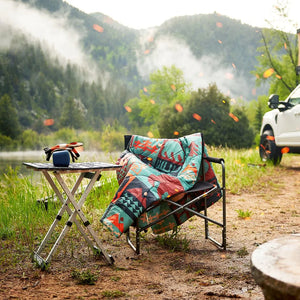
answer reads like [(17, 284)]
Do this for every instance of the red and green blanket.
[(152, 170)]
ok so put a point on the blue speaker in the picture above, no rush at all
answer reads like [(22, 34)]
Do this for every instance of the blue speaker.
[(61, 158)]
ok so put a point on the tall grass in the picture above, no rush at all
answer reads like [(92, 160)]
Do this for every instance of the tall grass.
[(24, 221)]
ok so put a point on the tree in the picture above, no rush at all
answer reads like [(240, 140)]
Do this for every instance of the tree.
[(208, 111), (73, 114), (278, 58), (9, 123), (167, 87)]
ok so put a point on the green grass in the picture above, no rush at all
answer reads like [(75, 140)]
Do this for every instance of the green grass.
[(24, 222)]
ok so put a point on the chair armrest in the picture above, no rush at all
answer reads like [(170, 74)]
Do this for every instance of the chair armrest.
[(214, 160)]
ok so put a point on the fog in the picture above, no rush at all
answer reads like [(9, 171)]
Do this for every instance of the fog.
[(55, 34), (168, 51)]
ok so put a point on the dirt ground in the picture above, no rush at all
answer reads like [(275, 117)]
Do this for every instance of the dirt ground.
[(201, 272)]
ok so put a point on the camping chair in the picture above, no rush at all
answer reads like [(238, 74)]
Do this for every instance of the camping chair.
[(198, 199)]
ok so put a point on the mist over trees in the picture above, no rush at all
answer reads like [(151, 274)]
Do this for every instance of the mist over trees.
[(99, 75)]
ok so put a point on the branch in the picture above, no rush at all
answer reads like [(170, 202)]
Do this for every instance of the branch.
[(272, 64)]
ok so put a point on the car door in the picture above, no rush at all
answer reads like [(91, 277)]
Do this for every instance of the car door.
[(288, 122)]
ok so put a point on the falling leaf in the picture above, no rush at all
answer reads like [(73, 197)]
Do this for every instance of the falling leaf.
[(152, 101), (268, 73), (233, 65), (178, 107), (213, 121), (220, 42), (285, 150), (278, 76), (147, 51), (285, 46), (257, 76), (253, 91), (219, 24), (235, 118), (145, 89), (128, 109), (98, 28), (150, 134), (150, 39), (48, 122), (176, 133), (197, 117), (270, 138), (173, 87)]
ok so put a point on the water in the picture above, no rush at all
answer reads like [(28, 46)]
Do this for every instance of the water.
[(16, 159)]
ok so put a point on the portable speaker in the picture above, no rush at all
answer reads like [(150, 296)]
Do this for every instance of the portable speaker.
[(61, 158)]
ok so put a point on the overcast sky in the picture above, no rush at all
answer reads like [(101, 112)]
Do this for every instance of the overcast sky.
[(140, 14)]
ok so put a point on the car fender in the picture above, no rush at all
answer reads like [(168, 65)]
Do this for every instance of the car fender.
[(269, 122)]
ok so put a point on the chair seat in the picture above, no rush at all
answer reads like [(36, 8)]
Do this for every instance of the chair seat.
[(201, 186)]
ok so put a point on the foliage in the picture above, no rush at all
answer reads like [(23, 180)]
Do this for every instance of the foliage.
[(278, 57), (9, 123), (208, 111), (167, 87), (84, 277)]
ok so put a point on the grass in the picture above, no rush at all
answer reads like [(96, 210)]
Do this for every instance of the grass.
[(24, 222)]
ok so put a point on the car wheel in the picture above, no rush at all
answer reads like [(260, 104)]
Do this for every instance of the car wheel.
[(268, 149)]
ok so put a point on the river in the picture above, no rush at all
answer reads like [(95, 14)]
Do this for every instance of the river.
[(15, 159)]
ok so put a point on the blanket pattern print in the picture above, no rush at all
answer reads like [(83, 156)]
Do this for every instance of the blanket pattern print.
[(152, 170)]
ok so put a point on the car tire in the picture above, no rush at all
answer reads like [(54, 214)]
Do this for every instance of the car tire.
[(268, 150)]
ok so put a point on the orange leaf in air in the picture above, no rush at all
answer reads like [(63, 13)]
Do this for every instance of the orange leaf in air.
[(48, 122), (268, 73), (173, 87), (98, 28), (197, 117), (285, 150), (128, 109), (178, 107), (235, 118), (176, 133)]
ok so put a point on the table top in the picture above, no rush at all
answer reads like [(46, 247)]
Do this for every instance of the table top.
[(278, 263), (73, 167)]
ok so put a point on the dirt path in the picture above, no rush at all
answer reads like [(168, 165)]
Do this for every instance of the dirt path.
[(203, 272)]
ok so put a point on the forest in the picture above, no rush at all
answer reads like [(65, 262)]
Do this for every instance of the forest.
[(121, 83)]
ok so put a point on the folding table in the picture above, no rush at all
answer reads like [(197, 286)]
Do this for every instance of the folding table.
[(91, 170)]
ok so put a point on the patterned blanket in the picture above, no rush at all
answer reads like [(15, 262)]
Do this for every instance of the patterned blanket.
[(152, 170)]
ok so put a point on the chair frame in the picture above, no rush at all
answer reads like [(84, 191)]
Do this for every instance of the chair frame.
[(203, 186)]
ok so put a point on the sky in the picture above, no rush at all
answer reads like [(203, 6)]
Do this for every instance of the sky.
[(140, 14)]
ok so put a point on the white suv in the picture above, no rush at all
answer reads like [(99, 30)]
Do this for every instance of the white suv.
[(280, 130)]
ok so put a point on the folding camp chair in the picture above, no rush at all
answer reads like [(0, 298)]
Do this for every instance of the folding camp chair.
[(203, 190)]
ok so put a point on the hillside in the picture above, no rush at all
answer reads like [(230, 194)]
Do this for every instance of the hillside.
[(93, 64)]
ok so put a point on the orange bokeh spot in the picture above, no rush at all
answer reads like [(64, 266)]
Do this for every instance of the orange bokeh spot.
[(268, 73), (219, 24), (235, 118), (197, 117), (147, 51), (128, 109), (145, 89), (150, 134), (173, 87), (178, 107), (233, 65), (176, 133), (152, 101), (220, 42), (98, 28), (285, 150), (48, 122)]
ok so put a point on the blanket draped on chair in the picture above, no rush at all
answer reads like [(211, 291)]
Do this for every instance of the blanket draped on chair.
[(152, 170)]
